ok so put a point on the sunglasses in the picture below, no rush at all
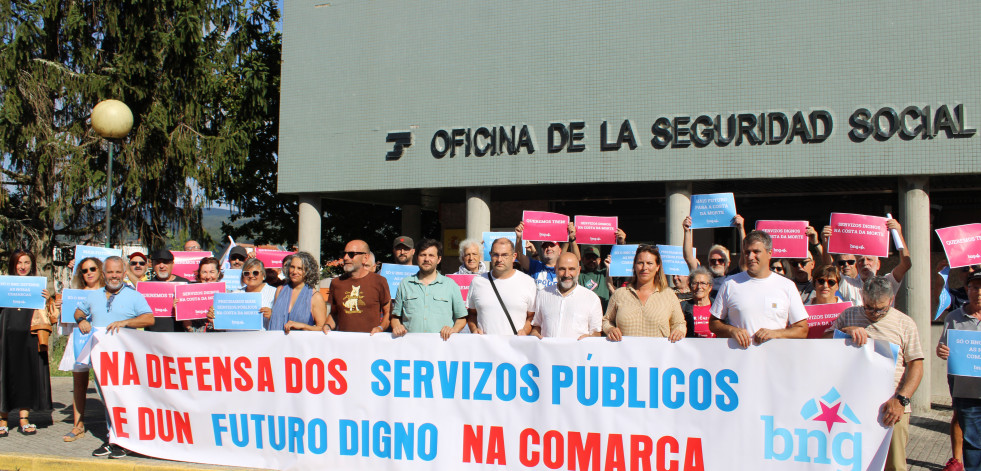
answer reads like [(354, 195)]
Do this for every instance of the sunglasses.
[(136, 264), (826, 281), (237, 258), (253, 273), (777, 268), (89, 269), (971, 268), (804, 262), (717, 261), (352, 254), (842, 263)]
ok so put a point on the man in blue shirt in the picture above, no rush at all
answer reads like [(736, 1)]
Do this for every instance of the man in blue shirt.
[(428, 301)]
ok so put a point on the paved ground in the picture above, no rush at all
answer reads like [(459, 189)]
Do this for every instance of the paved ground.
[(929, 446)]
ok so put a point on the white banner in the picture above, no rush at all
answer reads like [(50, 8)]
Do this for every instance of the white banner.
[(349, 401)]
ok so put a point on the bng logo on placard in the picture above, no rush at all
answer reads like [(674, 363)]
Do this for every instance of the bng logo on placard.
[(815, 439)]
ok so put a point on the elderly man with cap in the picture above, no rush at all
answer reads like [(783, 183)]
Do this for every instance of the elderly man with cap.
[(163, 267), (136, 272), (403, 250), (237, 256)]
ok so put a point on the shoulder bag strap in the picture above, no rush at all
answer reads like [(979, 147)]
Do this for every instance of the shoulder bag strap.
[(506, 313)]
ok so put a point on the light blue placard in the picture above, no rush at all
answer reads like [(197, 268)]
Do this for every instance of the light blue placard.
[(233, 279), (79, 342), (490, 237), (394, 274), (714, 210), (622, 260), (22, 291), (101, 253), (965, 353), (943, 302), (673, 260), (69, 303), (238, 311)]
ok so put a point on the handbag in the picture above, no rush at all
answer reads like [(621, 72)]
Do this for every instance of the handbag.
[(41, 327), (506, 313)]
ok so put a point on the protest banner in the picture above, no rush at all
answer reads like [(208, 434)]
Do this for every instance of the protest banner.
[(965, 353), (354, 401), (101, 253), (238, 311), (672, 260), (596, 230), (186, 263), (542, 226), (858, 234), (962, 244), (394, 274), (713, 210), (463, 281), (622, 260), (272, 258), (194, 300), (789, 237), (490, 237), (232, 277), (160, 296), (821, 316), (22, 291), (69, 302)]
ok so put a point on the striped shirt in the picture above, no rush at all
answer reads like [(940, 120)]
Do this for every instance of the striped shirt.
[(657, 317)]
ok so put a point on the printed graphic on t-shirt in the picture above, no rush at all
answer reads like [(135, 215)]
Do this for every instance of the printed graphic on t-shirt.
[(591, 285), (353, 300)]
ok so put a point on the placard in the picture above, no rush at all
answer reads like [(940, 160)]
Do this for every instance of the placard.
[(238, 311), (542, 226), (965, 353), (24, 292), (672, 260), (394, 274), (962, 244), (69, 302), (272, 258), (186, 263), (160, 296), (821, 316), (712, 210), (622, 260), (789, 237), (463, 281), (490, 237), (596, 230), (232, 277), (194, 300), (87, 251), (858, 234)]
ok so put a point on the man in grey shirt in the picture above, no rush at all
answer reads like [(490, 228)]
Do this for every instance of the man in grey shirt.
[(966, 390)]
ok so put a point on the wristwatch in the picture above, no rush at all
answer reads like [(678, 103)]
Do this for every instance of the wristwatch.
[(902, 399)]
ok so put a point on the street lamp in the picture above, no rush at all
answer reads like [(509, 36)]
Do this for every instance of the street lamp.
[(111, 119)]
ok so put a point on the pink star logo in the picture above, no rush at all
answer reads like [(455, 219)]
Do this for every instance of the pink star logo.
[(829, 415)]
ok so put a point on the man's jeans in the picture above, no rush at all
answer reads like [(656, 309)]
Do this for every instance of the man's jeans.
[(969, 417)]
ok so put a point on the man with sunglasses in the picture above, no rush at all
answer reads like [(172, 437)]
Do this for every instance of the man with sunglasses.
[(855, 270), (137, 270), (237, 256), (163, 268), (359, 299), (877, 319)]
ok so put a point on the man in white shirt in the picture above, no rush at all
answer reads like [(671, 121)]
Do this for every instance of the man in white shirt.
[(567, 309), (758, 304), (514, 290)]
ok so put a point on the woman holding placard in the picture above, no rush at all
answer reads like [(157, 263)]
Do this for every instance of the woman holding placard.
[(209, 271), (299, 304), (647, 306), (826, 281), (253, 280), (88, 276), (24, 381)]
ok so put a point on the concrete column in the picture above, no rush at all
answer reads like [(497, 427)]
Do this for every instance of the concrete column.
[(478, 213), (308, 229), (679, 206), (914, 215), (412, 221)]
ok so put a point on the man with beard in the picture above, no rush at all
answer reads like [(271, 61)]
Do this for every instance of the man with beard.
[(113, 307), (543, 272), (567, 309), (758, 304), (237, 256), (163, 267), (402, 250), (501, 301), (856, 270), (359, 299), (428, 302)]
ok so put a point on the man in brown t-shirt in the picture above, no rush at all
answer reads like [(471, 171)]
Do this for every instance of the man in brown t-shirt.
[(359, 299)]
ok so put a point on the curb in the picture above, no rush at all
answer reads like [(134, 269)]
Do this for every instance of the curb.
[(25, 462)]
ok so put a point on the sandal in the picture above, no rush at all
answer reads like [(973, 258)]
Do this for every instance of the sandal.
[(27, 428), (77, 432)]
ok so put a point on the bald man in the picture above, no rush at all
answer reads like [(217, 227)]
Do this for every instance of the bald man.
[(567, 309), (359, 299)]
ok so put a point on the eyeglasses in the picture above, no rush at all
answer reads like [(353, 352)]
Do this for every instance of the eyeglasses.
[(777, 268), (826, 281), (717, 261), (872, 311), (701, 283), (352, 254), (842, 263), (252, 273), (134, 263), (89, 269)]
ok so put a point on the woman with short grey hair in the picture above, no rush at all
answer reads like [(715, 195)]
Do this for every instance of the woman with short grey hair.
[(471, 253)]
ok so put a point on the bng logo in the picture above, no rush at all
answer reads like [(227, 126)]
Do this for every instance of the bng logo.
[(816, 441)]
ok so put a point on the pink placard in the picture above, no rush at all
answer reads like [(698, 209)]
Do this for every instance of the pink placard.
[(194, 300), (186, 263), (789, 237), (858, 235), (701, 315), (272, 258), (821, 316), (596, 230), (160, 296), (542, 226), (962, 244), (464, 282)]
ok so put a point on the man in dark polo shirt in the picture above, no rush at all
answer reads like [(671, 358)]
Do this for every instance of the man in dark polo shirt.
[(359, 300), (163, 267)]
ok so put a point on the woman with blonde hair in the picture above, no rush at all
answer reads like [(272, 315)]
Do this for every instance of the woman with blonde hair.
[(88, 276), (647, 306)]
